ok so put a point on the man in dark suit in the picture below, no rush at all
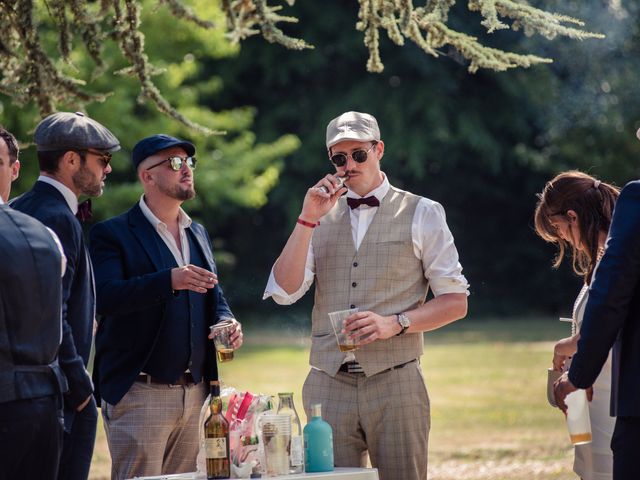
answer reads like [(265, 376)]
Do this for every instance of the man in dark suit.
[(612, 318), (74, 152), (31, 382), (157, 293)]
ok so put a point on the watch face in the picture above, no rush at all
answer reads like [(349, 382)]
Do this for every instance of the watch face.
[(404, 320)]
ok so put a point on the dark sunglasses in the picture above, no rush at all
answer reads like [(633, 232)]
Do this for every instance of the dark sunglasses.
[(360, 156), (105, 157), (176, 162)]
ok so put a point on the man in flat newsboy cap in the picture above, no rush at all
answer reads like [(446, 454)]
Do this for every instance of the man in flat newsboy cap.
[(377, 249), (157, 291), (74, 152)]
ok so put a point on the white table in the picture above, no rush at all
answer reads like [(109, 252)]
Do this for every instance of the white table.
[(337, 474)]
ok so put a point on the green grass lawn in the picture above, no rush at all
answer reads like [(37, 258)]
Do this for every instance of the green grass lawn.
[(486, 380)]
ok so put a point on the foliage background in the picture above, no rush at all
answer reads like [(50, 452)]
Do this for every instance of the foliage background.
[(482, 145)]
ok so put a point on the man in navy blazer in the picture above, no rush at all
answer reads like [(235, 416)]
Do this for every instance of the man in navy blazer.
[(612, 318), (74, 152), (157, 294), (30, 332)]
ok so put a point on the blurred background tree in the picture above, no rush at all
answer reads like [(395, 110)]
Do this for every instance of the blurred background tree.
[(480, 144)]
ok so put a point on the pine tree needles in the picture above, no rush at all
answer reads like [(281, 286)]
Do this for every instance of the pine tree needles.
[(32, 71)]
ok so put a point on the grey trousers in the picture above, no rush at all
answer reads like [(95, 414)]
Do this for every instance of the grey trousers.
[(386, 415), (153, 430)]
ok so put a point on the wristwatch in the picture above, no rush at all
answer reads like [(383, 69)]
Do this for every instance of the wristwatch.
[(404, 322)]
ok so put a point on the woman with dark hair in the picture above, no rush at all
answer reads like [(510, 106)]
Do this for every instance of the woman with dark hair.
[(574, 211)]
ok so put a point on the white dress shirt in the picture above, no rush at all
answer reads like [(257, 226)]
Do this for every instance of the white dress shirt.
[(181, 255), (432, 244)]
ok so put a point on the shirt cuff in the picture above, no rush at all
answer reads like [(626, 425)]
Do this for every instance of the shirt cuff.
[(442, 286), (278, 294)]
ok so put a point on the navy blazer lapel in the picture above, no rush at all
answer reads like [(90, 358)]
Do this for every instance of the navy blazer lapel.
[(45, 189), (203, 243), (147, 236)]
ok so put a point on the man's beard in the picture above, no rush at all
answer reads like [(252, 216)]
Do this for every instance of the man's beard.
[(178, 192), (86, 183)]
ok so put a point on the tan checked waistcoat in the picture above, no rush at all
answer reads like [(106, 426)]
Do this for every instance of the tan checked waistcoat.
[(383, 276)]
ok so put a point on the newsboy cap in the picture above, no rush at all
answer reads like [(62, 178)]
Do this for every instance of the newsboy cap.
[(357, 126), (153, 144), (73, 131)]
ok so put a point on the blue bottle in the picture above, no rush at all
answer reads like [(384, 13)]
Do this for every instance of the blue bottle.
[(318, 442)]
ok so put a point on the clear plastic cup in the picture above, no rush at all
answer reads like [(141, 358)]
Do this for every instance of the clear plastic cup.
[(222, 340), (275, 434), (345, 344), (578, 421)]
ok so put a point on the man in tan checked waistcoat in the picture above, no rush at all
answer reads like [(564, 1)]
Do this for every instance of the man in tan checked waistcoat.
[(378, 249)]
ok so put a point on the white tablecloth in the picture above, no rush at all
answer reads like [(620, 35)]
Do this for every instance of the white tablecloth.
[(337, 474)]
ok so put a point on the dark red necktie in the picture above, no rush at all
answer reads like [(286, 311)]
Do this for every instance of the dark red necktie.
[(356, 202), (84, 213)]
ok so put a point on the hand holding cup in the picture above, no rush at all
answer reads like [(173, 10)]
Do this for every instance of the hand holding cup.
[(227, 336)]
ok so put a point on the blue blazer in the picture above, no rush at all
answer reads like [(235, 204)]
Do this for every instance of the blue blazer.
[(133, 285), (612, 313), (45, 203)]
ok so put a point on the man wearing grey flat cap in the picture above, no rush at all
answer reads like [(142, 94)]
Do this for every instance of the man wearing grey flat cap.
[(74, 152), (377, 249), (158, 293)]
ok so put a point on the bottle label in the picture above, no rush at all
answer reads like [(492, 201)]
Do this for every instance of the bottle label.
[(215, 447), (297, 457)]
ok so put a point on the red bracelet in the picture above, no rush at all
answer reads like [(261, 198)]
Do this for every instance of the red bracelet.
[(307, 224)]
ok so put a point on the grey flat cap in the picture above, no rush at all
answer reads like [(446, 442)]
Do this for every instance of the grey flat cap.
[(73, 131), (357, 126)]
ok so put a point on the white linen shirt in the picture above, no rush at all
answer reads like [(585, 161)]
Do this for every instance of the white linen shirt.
[(182, 256), (432, 244)]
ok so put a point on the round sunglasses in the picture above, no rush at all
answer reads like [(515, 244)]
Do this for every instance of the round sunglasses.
[(360, 156), (176, 162)]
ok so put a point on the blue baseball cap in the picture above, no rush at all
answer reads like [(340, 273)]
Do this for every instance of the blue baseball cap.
[(153, 144)]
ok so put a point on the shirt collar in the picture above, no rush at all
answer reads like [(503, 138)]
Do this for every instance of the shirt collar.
[(183, 219), (66, 192), (378, 192)]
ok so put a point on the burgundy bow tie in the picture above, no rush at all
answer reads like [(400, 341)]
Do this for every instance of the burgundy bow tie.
[(356, 202), (84, 213)]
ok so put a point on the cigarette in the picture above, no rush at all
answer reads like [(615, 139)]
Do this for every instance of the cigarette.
[(341, 181)]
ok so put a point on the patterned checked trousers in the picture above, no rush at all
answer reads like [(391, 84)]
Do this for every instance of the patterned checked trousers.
[(386, 415)]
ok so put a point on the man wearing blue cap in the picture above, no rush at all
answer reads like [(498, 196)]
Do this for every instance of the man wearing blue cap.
[(74, 152), (158, 293)]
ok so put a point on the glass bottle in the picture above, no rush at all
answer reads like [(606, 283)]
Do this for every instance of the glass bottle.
[(296, 456), (318, 442), (216, 437)]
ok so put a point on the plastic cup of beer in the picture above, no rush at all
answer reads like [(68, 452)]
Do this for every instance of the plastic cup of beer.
[(578, 421), (222, 340), (345, 343)]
